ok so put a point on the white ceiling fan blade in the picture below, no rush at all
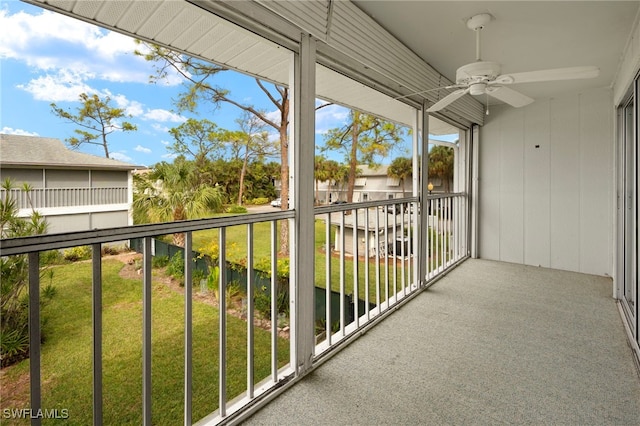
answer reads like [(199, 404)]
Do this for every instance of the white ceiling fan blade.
[(451, 97), (571, 73), (509, 96)]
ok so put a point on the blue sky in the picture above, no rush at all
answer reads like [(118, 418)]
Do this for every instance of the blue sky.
[(47, 57)]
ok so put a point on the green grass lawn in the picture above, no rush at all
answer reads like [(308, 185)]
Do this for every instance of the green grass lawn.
[(236, 237), (66, 353)]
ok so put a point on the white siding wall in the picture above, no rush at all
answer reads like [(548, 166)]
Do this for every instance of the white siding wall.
[(546, 175)]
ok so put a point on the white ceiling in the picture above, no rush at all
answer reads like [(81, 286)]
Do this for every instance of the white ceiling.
[(524, 36)]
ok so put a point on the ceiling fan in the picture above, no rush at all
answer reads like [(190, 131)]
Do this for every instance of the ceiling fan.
[(484, 78)]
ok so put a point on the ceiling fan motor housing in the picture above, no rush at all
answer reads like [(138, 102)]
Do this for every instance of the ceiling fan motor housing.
[(477, 72)]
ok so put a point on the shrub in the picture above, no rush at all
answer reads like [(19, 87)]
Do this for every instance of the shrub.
[(77, 253), (235, 209), (197, 275), (175, 268), (259, 201), (160, 261), (14, 278), (262, 301), (51, 257), (109, 250)]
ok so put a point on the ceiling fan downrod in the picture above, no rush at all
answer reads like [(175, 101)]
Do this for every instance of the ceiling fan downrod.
[(477, 23)]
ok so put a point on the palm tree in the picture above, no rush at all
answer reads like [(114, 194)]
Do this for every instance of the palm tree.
[(401, 168), (441, 164), (321, 173), (172, 192)]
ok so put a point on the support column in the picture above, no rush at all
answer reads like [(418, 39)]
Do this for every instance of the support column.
[(423, 253), (302, 127)]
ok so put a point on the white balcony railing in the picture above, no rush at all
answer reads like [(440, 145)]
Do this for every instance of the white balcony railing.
[(66, 197), (369, 258), (368, 261)]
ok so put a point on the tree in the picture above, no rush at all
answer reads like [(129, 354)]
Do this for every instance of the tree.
[(401, 168), (98, 120), (252, 143), (197, 140), (14, 279), (172, 192), (441, 164), (321, 173), (199, 76), (363, 140)]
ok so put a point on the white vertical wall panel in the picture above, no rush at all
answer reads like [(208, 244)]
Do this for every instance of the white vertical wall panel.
[(545, 183), (596, 177), (537, 184), (511, 186), (565, 183), (489, 189)]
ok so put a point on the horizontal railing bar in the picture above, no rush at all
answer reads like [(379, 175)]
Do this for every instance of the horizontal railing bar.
[(447, 195), (13, 246), (334, 208)]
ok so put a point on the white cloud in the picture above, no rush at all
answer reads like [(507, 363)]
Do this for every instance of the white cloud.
[(165, 143), (273, 116), (11, 131), (52, 42), (170, 156), (62, 86), (163, 115), (141, 148), (121, 157), (160, 128), (132, 108), (330, 117)]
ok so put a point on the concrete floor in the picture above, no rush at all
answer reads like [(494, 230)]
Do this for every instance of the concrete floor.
[(490, 343)]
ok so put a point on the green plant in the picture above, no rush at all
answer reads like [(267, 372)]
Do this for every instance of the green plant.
[(234, 209), (74, 254), (160, 261), (14, 346), (232, 290), (263, 267), (213, 278), (14, 278), (262, 301), (175, 268), (51, 257), (259, 201), (197, 275)]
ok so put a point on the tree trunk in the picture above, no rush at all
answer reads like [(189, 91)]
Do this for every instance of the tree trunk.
[(178, 239), (105, 145), (243, 172)]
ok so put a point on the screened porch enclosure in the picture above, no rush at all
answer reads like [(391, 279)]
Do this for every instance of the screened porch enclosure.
[(488, 303)]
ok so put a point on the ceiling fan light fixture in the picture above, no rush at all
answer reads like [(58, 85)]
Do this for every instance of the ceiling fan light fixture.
[(477, 88)]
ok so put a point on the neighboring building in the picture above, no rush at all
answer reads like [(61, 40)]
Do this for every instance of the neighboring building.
[(73, 190), (387, 232), (371, 184)]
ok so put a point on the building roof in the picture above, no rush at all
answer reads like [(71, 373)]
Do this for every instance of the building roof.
[(365, 170), (34, 151)]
